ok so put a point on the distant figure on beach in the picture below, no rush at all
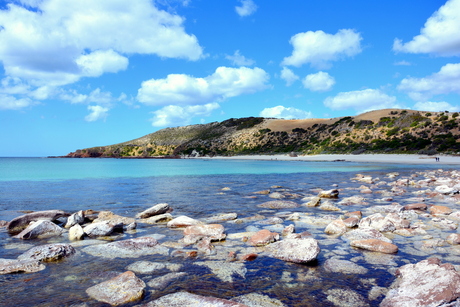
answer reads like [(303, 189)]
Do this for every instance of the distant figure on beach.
[(437, 159)]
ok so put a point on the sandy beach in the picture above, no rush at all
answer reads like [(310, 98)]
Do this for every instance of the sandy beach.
[(368, 158)]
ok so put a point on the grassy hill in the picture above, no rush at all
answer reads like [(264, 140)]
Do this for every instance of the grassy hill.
[(382, 131)]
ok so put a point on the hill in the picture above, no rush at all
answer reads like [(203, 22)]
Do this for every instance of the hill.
[(382, 131)]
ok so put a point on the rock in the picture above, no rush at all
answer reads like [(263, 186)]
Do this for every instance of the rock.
[(119, 290), (75, 218), (336, 227), (356, 214), (161, 218), (214, 232), (221, 218), (375, 245), (351, 222), (48, 252), (131, 248), (3, 223), (453, 239), (181, 299), (314, 201), (131, 226), (328, 206), (205, 246), (249, 257), (19, 223), (40, 230), (295, 250), (366, 233), (276, 195), (263, 192), (288, 230), (416, 206), (225, 271), (8, 266), (334, 193), (263, 237), (440, 210), (346, 298), (76, 233), (278, 204), (343, 266), (258, 300), (163, 281), (353, 200), (445, 189), (113, 219), (426, 283), (182, 221), (146, 267), (98, 229), (155, 210), (377, 221)]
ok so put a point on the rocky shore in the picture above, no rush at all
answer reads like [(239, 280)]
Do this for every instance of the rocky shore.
[(382, 224)]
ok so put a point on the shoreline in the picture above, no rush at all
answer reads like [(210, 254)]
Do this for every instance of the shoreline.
[(363, 158)]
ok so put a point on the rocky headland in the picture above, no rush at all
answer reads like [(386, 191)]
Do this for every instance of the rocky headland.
[(350, 231)]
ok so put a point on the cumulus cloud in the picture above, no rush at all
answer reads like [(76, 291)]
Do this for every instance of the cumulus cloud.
[(319, 49), (248, 7), (362, 101), (286, 113), (239, 60), (8, 102), (289, 76), (439, 34), (97, 112), (319, 82), (435, 106), (446, 81), (180, 89), (99, 62), (178, 115)]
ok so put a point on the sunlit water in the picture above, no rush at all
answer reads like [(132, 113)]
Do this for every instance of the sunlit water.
[(192, 188)]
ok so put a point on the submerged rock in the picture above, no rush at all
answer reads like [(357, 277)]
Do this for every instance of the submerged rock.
[(40, 230), (8, 266), (295, 250), (225, 270), (346, 298), (19, 223), (279, 204), (181, 299), (119, 290), (163, 281), (343, 266), (48, 252), (155, 210), (258, 300), (375, 245)]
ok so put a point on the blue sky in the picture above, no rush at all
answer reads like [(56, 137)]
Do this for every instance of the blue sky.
[(77, 74)]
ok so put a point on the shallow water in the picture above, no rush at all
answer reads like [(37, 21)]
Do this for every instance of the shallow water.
[(192, 188)]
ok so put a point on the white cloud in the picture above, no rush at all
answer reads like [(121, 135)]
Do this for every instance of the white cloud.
[(319, 82), (446, 81), (8, 102), (176, 115), (97, 112), (239, 59), (180, 89), (319, 49), (289, 76), (99, 62), (435, 106), (440, 35), (96, 96), (286, 113), (248, 7), (361, 101)]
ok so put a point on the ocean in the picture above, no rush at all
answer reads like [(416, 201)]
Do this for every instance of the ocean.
[(197, 188)]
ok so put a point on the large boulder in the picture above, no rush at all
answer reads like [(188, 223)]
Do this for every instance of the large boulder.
[(122, 289), (181, 299), (19, 223), (40, 230), (426, 283), (295, 250), (48, 252), (154, 210), (8, 266)]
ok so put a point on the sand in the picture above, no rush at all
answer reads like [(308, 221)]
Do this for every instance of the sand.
[(369, 158)]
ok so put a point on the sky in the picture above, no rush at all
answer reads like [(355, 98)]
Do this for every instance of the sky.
[(79, 74)]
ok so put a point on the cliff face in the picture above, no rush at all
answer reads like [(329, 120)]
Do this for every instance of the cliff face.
[(373, 132)]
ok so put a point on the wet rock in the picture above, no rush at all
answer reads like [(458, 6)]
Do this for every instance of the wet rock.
[(314, 201), (351, 222), (19, 223), (225, 271), (162, 282), (375, 245), (392, 208), (119, 290), (295, 250), (48, 252), (8, 266), (75, 218), (440, 210), (288, 230), (113, 219), (154, 210), (182, 221), (181, 299), (276, 195), (366, 233), (131, 248), (356, 214), (336, 227), (416, 206), (258, 300), (205, 246), (263, 237), (426, 283), (336, 265), (146, 267), (444, 223), (453, 239), (334, 193), (279, 204), (3, 223), (76, 233), (249, 257), (219, 218), (445, 189), (40, 230), (98, 229), (352, 200), (346, 298), (328, 206), (263, 192), (192, 234), (161, 218)]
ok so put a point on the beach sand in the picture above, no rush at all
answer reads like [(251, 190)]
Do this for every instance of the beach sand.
[(370, 158)]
